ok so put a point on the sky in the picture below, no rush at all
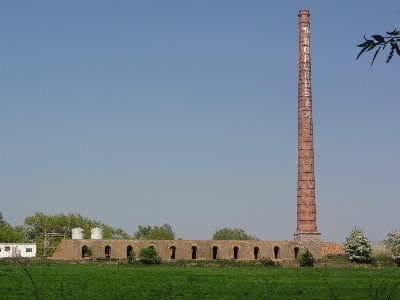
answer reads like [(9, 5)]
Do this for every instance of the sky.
[(147, 112)]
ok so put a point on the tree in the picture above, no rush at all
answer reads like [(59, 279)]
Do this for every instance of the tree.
[(3, 223), (142, 233), (392, 242), (37, 224), (149, 256), (9, 234), (164, 232), (114, 233), (306, 259), (358, 246), (382, 41), (35, 227), (232, 234)]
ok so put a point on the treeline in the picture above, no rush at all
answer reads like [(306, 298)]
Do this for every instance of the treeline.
[(36, 228)]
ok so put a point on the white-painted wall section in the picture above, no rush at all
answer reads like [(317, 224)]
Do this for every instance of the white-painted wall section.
[(17, 250)]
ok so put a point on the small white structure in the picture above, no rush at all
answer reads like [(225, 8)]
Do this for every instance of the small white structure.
[(77, 233), (17, 250), (96, 234)]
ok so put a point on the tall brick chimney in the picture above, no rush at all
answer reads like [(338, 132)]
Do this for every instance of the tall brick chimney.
[(306, 209)]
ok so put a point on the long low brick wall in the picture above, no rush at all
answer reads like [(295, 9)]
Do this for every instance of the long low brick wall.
[(186, 249)]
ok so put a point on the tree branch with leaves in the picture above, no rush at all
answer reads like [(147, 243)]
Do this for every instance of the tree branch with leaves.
[(391, 39)]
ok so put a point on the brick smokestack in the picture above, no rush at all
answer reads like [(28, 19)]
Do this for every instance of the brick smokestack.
[(306, 208)]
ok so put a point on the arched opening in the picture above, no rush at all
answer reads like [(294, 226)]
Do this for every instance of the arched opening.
[(235, 252), (151, 246), (129, 252), (276, 252), (107, 251), (256, 251), (194, 252), (85, 251), (296, 252), (172, 251), (215, 252)]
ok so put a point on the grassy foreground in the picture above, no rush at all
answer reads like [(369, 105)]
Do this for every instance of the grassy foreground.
[(116, 281)]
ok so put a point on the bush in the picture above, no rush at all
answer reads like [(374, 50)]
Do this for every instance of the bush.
[(149, 256), (358, 247), (396, 258), (181, 262), (268, 262), (131, 256), (382, 259), (336, 257), (88, 251), (307, 259), (392, 243)]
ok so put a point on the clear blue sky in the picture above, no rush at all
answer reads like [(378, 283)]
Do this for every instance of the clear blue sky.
[(146, 112)]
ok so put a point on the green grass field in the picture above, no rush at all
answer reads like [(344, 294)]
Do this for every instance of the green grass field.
[(84, 280)]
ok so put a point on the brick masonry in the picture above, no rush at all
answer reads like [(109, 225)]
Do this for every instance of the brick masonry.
[(306, 207), (280, 250)]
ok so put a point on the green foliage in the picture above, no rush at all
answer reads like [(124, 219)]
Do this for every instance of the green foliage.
[(392, 242), (306, 259), (358, 246), (149, 256), (9, 234), (232, 234), (382, 259), (142, 233), (163, 232), (181, 262), (382, 41), (35, 226), (268, 262), (3, 223), (336, 258), (131, 256), (88, 251)]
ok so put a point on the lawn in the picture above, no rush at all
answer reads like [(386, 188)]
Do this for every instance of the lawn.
[(111, 280)]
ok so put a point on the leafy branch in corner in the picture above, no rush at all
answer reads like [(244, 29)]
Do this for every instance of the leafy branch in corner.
[(383, 286), (382, 41)]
